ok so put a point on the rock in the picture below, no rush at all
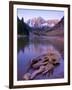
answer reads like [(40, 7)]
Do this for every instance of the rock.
[(53, 56), (36, 72), (27, 76), (40, 63), (44, 64), (49, 67), (42, 70)]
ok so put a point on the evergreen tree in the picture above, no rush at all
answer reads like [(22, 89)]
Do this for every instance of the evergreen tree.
[(22, 27)]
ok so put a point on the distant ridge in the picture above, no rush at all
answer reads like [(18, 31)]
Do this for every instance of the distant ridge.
[(59, 25), (57, 30)]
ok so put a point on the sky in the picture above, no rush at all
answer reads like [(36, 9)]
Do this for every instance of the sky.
[(46, 14)]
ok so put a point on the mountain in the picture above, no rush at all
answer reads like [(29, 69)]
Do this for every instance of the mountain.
[(35, 22), (40, 27), (39, 22), (58, 29), (52, 22), (60, 25)]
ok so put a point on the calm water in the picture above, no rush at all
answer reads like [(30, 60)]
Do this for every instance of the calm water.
[(29, 48)]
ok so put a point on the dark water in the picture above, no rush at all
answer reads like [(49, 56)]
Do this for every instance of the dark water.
[(29, 48)]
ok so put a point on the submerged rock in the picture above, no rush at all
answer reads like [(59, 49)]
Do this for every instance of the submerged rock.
[(53, 56), (26, 76), (44, 64)]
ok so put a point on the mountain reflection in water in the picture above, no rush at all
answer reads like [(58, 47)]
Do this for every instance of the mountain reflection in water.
[(29, 48)]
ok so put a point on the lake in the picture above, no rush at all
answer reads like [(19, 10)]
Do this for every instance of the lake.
[(32, 47)]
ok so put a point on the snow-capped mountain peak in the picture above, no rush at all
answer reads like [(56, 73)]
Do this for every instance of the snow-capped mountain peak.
[(40, 22)]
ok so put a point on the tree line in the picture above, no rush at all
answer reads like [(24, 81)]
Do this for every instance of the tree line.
[(22, 27)]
